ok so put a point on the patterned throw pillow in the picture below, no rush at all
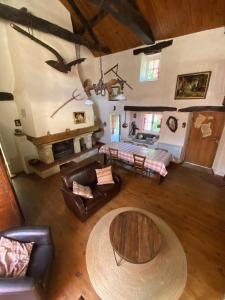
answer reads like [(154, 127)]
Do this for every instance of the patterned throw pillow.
[(14, 258), (83, 191), (104, 176)]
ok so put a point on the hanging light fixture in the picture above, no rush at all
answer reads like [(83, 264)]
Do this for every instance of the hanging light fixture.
[(88, 102), (101, 87)]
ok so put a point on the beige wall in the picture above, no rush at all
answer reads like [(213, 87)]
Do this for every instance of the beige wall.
[(39, 89), (203, 51)]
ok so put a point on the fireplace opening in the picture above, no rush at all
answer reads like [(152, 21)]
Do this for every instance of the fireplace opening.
[(63, 149)]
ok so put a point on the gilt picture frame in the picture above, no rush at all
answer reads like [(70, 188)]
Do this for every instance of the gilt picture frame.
[(192, 85), (79, 117)]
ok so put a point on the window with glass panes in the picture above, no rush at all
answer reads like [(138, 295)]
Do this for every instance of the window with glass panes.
[(150, 68), (152, 122)]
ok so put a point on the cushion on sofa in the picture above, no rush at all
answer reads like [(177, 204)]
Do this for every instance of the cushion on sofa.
[(84, 175), (14, 257), (104, 176), (81, 190)]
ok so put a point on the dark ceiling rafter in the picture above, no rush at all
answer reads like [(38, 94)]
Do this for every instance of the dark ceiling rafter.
[(83, 20), (153, 49), (97, 18), (21, 17), (86, 26), (149, 108), (4, 96), (202, 108), (126, 14)]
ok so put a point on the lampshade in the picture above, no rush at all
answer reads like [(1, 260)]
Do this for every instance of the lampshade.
[(88, 102), (121, 97)]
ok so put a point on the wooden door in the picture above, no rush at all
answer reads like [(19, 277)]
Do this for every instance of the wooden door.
[(10, 214), (205, 134)]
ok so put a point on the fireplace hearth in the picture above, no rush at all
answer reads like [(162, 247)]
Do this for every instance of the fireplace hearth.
[(63, 149)]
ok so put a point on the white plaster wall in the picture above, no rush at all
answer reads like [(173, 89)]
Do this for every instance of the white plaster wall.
[(179, 136), (40, 89), (8, 109), (202, 51)]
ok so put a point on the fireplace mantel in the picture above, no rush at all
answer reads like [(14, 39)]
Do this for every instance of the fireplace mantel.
[(51, 138)]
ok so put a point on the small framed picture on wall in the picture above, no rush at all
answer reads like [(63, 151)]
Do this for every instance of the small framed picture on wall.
[(79, 117), (17, 123)]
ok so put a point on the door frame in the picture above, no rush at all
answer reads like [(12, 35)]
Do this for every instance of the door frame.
[(110, 128)]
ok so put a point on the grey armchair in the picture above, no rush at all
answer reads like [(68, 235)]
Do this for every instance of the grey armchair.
[(33, 285)]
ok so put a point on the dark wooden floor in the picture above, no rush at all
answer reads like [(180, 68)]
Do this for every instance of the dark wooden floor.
[(192, 206)]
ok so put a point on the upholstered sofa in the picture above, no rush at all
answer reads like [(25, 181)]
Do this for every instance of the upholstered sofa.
[(86, 176), (33, 286)]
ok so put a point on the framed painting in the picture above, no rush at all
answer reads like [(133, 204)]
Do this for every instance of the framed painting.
[(192, 86), (115, 93), (79, 117)]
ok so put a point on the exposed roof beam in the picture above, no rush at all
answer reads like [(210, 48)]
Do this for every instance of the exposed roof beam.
[(94, 21), (4, 96), (202, 108), (153, 49), (83, 20), (126, 14), (21, 17), (149, 108)]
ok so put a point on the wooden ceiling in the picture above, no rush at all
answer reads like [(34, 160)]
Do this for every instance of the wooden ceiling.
[(118, 25)]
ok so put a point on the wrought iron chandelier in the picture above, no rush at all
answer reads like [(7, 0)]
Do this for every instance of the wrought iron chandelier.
[(101, 87)]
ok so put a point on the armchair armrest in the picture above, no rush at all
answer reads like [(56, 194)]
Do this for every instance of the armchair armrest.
[(16, 285), (116, 178), (74, 202), (38, 234)]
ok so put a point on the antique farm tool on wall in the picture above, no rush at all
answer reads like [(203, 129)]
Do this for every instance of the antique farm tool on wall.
[(58, 64), (74, 97)]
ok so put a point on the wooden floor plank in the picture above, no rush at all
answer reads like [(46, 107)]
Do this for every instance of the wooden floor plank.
[(190, 205)]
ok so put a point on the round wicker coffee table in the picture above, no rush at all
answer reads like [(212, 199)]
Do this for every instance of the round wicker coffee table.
[(134, 237)]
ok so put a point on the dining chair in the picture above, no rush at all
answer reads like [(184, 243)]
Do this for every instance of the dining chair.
[(113, 156), (139, 164)]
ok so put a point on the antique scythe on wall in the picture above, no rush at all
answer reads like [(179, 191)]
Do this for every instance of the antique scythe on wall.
[(60, 64)]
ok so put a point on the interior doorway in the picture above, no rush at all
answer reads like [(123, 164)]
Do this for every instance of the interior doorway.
[(115, 127), (205, 134)]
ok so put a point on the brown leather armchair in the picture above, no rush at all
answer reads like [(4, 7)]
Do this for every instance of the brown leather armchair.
[(86, 175), (33, 286)]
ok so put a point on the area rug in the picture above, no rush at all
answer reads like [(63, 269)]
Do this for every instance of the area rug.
[(163, 278)]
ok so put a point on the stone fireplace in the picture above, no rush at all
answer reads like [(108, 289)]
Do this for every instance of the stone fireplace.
[(60, 148)]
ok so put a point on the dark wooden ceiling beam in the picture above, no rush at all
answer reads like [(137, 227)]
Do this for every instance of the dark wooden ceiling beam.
[(202, 108), (96, 19), (21, 17), (153, 49), (83, 20), (149, 108), (4, 96), (126, 14)]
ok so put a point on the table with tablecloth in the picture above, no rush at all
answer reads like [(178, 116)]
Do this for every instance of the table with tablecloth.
[(156, 160)]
